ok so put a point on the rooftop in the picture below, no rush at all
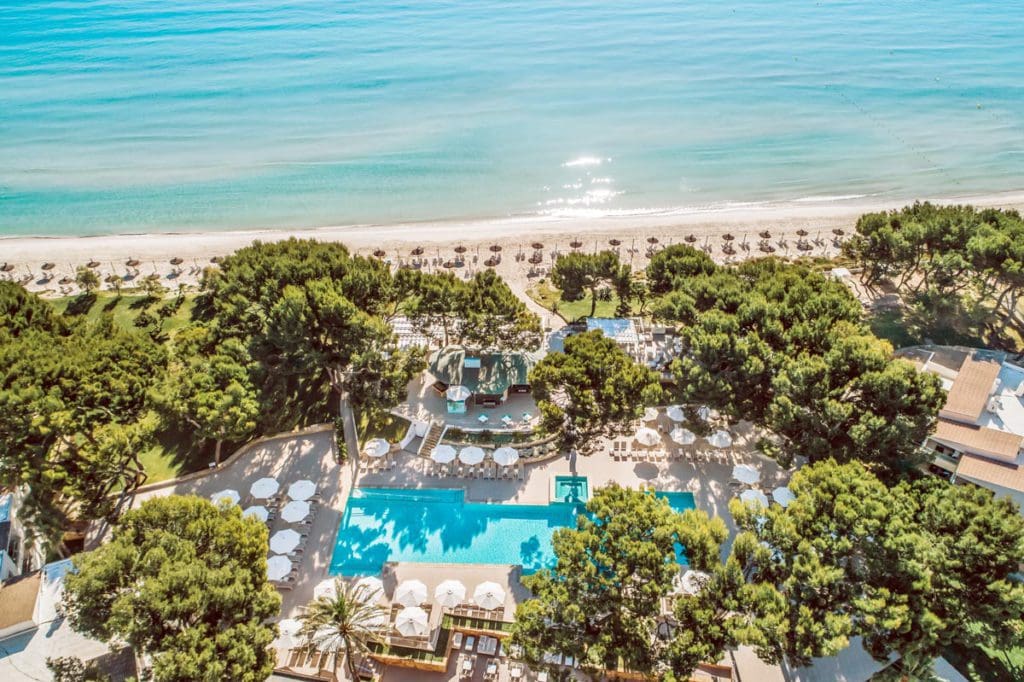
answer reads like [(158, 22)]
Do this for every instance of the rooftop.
[(18, 600), (484, 373), (980, 440), (971, 390), (984, 470)]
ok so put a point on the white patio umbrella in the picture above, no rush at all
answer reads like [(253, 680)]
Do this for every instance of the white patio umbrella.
[(411, 593), (284, 541), (295, 511), (457, 393), (754, 497), (745, 473), (376, 447), (326, 588), (264, 488), (650, 414), (227, 497), (646, 436), (257, 511), (704, 412), (783, 496), (471, 455), (693, 581), (489, 596), (450, 593), (676, 414), (369, 588), (506, 456), (302, 489), (278, 566), (288, 633), (443, 454), (683, 436), (412, 622), (720, 439)]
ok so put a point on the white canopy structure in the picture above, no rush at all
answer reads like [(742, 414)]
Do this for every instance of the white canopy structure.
[(284, 541), (704, 412), (295, 511), (506, 456), (683, 436), (264, 488), (693, 581), (647, 436), (257, 511), (369, 588), (411, 593), (675, 413), (278, 566), (226, 497), (720, 439), (450, 593), (443, 454), (650, 414), (471, 455), (326, 588), (746, 473), (412, 621), (288, 633), (457, 393), (754, 497), (489, 596), (783, 496), (302, 489), (376, 447)]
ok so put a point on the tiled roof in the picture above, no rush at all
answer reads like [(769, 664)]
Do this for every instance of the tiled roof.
[(971, 389), (980, 440), (995, 473)]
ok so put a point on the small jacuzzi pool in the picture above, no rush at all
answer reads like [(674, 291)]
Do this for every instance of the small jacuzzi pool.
[(570, 489)]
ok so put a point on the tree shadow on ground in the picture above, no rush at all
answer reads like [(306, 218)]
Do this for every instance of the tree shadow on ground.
[(80, 305)]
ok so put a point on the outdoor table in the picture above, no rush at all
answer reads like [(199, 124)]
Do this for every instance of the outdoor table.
[(515, 673)]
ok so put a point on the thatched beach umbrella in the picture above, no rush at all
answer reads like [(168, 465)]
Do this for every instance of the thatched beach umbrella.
[(460, 249), (66, 280), (690, 238), (839, 232), (49, 266), (133, 263), (614, 242), (728, 237), (535, 259), (110, 279), (449, 264), (802, 232), (418, 251), (490, 262), (495, 248), (379, 253), (575, 244), (215, 260), (92, 264), (537, 245), (176, 261), (6, 267), (652, 240), (765, 234)]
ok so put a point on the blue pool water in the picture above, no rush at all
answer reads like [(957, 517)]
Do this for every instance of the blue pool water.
[(439, 526), (572, 489), (139, 115)]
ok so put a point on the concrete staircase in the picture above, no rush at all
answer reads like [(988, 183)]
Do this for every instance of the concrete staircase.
[(432, 438)]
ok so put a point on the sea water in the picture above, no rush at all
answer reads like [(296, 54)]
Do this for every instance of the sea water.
[(148, 115)]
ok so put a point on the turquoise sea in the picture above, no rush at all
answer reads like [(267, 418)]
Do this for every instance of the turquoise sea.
[(147, 115)]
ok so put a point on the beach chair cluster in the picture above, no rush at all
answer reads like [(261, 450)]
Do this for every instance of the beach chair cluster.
[(306, 661), (486, 470), (376, 465), (473, 651), (625, 451)]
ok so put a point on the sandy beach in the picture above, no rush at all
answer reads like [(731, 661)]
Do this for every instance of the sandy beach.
[(704, 229)]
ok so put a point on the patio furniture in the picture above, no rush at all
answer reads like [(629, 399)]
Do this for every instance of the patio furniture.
[(492, 669), (470, 643), (457, 640), (515, 671), (542, 676)]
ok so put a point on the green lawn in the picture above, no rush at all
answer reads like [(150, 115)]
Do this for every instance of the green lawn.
[(125, 308), (906, 328), (549, 297), (389, 427), (176, 452)]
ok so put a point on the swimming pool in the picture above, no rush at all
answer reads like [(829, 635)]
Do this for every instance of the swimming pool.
[(438, 526), (574, 489)]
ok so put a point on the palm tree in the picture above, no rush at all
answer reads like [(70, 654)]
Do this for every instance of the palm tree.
[(343, 624)]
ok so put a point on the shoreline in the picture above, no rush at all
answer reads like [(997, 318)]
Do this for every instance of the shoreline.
[(438, 238)]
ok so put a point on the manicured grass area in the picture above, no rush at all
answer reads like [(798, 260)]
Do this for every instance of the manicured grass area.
[(389, 427), (983, 664), (176, 452), (907, 328), (548, 296), (125, 308)]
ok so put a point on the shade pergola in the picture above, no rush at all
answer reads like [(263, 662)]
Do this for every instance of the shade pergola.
[(720, 439), (278, 566), (369, 588), (675, 413), (411, 593), (783, 496), (326, 588), (471, 455), (450, 593), (284, 541), (295, 511), (264, 488), (226, 497), (376, 447), (683, 436), (506, 456), (745, 473), (302, 489), (647, 436), (457, 394), (412, 621), (754, 497), (443, 454), (257, 511), (489, 596), (650, 414)]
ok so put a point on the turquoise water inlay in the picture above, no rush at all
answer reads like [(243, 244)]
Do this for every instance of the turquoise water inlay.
[(439, 526), (571, 489)]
